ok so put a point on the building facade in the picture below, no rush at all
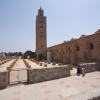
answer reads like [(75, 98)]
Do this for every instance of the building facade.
[(41, 32), (82, 50)]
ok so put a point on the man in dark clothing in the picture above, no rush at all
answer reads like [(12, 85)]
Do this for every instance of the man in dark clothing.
[(78, 70)]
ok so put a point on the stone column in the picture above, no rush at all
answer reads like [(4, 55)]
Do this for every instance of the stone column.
[(28, 75), (9, 70), (3, 79)]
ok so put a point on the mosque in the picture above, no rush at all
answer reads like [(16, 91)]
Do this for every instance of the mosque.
[(85, 49)]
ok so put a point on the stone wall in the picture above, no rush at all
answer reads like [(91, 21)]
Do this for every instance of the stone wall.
[(90, 67), (95, 98), (85, 49), (45, 74), (98, 66), (3, 79)]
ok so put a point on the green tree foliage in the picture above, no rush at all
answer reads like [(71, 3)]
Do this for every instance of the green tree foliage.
[(29, 54), (41, 56)]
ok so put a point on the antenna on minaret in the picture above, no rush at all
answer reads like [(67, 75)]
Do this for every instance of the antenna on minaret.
[(40, 8)]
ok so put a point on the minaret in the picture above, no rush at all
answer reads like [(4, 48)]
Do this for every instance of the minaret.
[(41, 34)]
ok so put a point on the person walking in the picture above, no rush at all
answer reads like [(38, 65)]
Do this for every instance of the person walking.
[(83, 71), (78, 70)]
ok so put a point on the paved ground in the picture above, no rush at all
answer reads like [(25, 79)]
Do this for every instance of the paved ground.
[(70, 88)]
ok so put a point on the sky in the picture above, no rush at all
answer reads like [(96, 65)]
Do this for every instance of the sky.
[(66, 19)]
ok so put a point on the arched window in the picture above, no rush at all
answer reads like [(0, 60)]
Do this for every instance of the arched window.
[(41, 21), (41, 26), (77, 48), (68, 48), (41, 45), (41, 35), (91, 46)]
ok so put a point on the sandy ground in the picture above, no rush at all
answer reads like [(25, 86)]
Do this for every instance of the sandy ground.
[(35, 66), (19, 65), (4, 66), (19, 72), (70, 88)]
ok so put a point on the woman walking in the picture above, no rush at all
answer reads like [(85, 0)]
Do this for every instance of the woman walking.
[(83, 71)]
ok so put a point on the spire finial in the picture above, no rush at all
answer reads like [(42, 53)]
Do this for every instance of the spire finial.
[(40, 8)]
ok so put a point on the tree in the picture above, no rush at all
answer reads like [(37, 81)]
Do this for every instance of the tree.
[(29, 54), (41, 56)]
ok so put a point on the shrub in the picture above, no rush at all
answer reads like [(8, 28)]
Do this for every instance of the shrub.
[(41, 56)]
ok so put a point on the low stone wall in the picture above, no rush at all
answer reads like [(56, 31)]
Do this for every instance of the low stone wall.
[(98, 66), (45, 74), (3, 79), (95, 98), (90, 67)]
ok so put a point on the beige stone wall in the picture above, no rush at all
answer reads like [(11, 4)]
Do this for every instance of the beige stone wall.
[(90, 67), (45, 74), (3, 80), (84, 49)]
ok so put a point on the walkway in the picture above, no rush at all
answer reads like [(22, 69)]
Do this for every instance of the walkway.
[(70, 88), (19, 65)]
